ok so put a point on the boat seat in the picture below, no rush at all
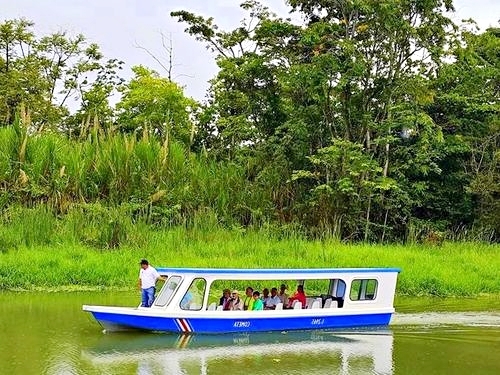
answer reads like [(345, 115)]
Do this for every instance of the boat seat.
[(316, 305), (309, 302), (220, 307), (340, 301), (212, 306), (334, 304), (279, 306), (297, 305), (328, 303)]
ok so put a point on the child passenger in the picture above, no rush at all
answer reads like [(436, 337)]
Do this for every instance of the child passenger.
[(257, 302)]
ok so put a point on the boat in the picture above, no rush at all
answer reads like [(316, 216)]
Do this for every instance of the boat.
[(336, 298), (350, 351)]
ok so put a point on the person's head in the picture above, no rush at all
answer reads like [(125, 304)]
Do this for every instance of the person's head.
[(274, 292), (144, 264), (256, 295), (235, 294), (265, 292), (226, 292), (283, 288), (300, 288), (249, 291)]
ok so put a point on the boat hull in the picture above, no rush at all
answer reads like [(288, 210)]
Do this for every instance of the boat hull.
[(113, 321)]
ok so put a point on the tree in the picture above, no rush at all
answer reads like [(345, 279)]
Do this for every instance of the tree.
[(42, 74), (244, 97), (158, 104), (95, 109), (20, 76), (357, 71), (345, 177), (467, 107)]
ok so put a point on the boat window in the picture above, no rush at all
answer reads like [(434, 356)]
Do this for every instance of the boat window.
[(167, 291), (363, 289), (193, 299)]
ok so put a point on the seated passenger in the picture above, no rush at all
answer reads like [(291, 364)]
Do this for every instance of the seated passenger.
[(298, 296), (224, 300), (265, 295), (235, 303), (248, 300), (282, 295), (257, 302), (271, 301)]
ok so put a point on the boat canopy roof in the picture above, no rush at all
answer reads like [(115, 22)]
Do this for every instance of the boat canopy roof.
[(283, 273)]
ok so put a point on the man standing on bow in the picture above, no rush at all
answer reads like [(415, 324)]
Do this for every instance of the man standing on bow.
[(147, 283)]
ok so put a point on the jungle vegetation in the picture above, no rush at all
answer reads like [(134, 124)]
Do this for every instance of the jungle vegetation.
[(371, 120)]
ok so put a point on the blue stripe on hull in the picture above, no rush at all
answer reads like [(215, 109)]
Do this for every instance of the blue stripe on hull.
[(206, 325), (148, 323)]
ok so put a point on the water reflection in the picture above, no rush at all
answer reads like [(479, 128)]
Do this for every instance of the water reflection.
[(347, 352)]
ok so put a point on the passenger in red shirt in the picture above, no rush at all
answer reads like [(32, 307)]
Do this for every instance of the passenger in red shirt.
[(298, 296)]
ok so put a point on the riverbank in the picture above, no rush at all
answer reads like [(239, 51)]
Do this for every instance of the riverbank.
[(450, 269)]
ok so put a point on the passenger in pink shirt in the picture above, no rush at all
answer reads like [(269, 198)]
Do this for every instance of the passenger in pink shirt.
[(298, 296)]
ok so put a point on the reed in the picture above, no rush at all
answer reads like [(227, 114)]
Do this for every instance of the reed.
[(162, 180)]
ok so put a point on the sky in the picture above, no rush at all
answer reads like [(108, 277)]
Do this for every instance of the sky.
[(120, 26)]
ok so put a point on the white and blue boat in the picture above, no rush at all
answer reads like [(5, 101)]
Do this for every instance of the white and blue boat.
[(336, 298)]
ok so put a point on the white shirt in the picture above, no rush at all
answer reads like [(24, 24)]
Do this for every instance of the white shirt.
[(272, 301), (148, 277)]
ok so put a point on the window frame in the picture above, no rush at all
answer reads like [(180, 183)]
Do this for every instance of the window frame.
[(165, 290), (360, 291), (188, 290)]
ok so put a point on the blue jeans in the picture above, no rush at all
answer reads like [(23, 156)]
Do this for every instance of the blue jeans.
[(147, 296)]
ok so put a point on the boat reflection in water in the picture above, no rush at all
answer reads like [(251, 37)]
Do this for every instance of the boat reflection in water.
[(311, 352)]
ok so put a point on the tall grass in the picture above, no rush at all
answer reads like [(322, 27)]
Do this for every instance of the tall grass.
[(81, 252), (162, 181)]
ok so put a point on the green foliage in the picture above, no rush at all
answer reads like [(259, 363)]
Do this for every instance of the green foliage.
[(467, 107), (27, 227), (95, 109), (159, 183), (370, 120), (358, 75), (156, 104), (453, 269), (344, 176), (39, 75)]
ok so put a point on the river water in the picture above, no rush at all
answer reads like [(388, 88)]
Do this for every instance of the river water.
[(48, 333)]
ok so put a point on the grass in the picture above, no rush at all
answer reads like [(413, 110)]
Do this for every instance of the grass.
[(61, 262), (163, 181)]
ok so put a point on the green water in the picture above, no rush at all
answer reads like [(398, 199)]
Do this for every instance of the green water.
[(44, 333)]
